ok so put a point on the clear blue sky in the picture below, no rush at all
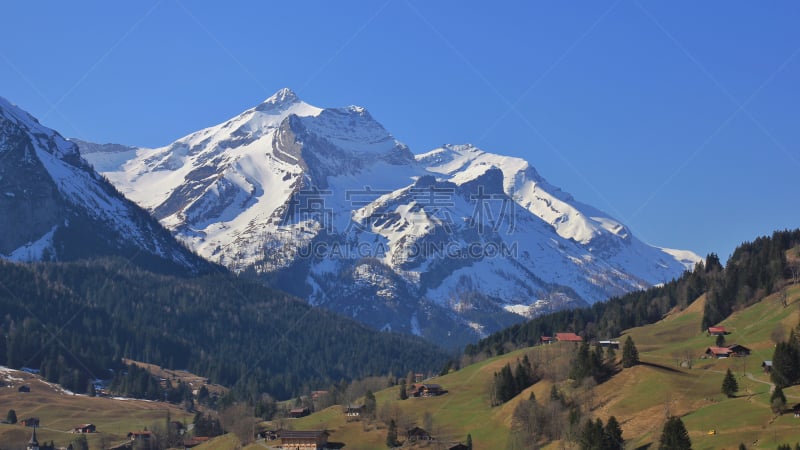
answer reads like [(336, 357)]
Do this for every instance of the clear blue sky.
[(680, 119)]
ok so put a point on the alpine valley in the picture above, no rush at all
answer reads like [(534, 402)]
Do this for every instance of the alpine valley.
[(326, 204)]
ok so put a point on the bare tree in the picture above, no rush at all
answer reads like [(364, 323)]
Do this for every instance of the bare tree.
[(239, 419)]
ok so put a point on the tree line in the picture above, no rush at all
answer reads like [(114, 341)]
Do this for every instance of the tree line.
[(754, 270), (76, 321)]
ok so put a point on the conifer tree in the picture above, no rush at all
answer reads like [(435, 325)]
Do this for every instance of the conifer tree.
[(630, 355), (674, 436), (729, 384), (391, 435)]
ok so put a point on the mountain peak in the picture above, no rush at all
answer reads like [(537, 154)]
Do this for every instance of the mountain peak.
[(282, 97)]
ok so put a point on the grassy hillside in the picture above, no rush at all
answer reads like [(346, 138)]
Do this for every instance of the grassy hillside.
[(673, 378), (59, 412)]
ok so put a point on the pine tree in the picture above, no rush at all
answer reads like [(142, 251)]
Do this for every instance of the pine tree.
[(469, 441), (778, 400), (674, 436), (630, 355), (729, 384), (11, 417), (720, 340), (613, 435), (403, 392), (370, 404), (742, 446), (391, 435), (785, 365)]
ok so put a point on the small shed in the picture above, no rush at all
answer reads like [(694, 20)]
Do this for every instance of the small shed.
[(767, 366), (24, 388)]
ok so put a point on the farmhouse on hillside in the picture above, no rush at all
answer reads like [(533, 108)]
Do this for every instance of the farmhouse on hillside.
[(767, 366), (734, 350), (546, 340), (85, 428), (29, 422), (306, 440), (426, 390), (568, 337)]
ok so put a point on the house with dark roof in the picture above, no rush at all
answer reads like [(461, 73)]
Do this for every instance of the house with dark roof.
[(546, 340), (426, 390), (297, 413), (458, 446), (354, 410), (739, 350), (85, 428), (418, 434), (306, 440), (767, 366)]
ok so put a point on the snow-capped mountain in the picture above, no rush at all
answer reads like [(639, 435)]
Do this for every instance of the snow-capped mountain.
[(56, 207), (328, 205)]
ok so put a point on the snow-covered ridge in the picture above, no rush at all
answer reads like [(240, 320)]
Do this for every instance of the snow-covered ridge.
[(49, 192), (331, 205)]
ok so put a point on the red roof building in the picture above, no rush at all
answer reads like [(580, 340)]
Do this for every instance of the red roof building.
[(717, 331), (546, 340), (719, 352), (568, 337)]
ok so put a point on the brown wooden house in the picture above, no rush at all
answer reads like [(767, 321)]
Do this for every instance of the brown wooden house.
[(297, 413), (418, 434), (354, 410), (304, 440)]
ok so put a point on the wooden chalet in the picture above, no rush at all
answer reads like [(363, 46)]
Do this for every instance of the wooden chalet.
[(568, 337), (297, 413), (29, 422), (418, 434), (734, 350), (739, 350), (796, 410), (767, 366), (24, 388), (354, 410), (546, 340), (426, 390), (717, 331), (305, 440), (85, 428)]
